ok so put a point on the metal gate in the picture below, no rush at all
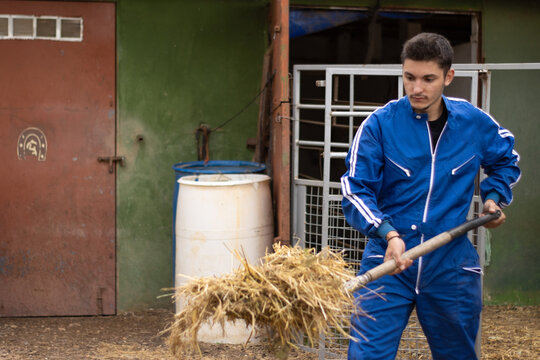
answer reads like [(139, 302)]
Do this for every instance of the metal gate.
[(329, 103)]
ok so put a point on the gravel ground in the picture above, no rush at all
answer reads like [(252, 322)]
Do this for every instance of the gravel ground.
[(508, 333)]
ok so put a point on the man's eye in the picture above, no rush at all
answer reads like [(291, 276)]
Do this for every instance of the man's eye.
[(429, 80)]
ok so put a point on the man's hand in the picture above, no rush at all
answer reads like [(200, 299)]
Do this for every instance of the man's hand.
[(396, 248), (491, 207)]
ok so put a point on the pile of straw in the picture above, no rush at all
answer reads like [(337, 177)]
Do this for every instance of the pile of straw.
[(292, 291)]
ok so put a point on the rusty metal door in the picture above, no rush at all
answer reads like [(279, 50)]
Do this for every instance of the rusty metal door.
[(57, 116)]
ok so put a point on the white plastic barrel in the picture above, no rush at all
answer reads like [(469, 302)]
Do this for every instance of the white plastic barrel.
[(217, 214)]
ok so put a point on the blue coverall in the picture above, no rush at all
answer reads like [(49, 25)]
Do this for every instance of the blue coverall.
[(396, 180)]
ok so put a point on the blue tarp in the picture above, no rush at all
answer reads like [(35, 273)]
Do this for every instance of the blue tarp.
[(303, 22), (309, 21)]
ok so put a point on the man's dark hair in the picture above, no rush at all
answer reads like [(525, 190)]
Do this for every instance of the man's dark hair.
[(429, 47)]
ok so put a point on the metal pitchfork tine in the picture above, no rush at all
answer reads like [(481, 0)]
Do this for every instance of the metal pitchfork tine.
[(427, 246)]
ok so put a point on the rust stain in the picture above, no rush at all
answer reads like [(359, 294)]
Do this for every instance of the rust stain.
[(5, 266), (16, 266)]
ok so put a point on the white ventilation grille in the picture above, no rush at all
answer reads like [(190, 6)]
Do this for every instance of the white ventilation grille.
[(13, 27)]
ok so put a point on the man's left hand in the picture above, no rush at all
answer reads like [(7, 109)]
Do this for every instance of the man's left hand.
[(491, 207)]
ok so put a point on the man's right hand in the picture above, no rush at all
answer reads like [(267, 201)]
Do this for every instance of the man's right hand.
[(396, 248)]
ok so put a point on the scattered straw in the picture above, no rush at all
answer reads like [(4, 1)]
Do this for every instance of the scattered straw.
[(107, 351), (292, 292)]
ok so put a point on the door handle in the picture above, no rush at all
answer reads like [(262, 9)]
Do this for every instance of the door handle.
[(111, 160)]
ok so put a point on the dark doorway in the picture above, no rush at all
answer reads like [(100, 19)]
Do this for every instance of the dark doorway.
[(363, 36)]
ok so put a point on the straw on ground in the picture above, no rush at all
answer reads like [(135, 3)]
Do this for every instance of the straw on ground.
[(292, 292)]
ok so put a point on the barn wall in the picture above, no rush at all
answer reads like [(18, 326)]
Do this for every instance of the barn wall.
[(190, 62), (180, 64), (510, 35)]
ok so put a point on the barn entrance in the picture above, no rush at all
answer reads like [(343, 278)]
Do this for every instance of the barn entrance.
[(344, 67), (57, 117), (366, 36)]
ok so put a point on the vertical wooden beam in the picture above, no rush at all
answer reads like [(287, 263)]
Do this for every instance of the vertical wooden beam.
[(280, 118)]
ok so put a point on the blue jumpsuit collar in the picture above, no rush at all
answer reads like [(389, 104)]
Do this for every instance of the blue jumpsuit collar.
[(423, 117), (414, 114)]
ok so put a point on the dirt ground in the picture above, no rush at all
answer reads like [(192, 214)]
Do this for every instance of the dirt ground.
[(508, 333)]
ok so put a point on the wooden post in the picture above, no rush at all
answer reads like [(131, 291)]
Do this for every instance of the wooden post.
[(280, 118)]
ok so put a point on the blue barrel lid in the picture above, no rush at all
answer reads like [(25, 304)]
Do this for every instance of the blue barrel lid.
[(218, 167)]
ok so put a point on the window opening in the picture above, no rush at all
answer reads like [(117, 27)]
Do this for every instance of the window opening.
[(25, 27), (71, 28), (4, 26), (46, 27)]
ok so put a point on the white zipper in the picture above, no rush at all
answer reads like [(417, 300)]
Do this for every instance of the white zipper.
[(426, 207), (406, 171), (462, 165), (416, 289)]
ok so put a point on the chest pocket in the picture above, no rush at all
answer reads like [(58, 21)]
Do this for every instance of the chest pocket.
[(397, 177), (398, 167), (462, 174), (465, 166)]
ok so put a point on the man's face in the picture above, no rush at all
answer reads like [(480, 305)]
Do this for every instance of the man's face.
[(424, 82)]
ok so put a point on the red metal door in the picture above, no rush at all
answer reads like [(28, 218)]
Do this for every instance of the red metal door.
[(57, 202)]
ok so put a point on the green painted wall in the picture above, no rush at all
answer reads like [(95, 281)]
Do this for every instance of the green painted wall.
[(510, 34), (180, 63)]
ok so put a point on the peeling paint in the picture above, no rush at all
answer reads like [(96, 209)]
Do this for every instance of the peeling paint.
[(4, 265), (17, 266), (60, 266)]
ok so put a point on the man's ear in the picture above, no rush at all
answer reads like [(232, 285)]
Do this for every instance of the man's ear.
[(449, 77)]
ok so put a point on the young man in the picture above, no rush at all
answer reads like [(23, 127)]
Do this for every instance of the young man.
[(411, 172)]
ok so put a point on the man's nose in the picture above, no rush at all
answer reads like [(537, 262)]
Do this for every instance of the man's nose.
[(417, 87)]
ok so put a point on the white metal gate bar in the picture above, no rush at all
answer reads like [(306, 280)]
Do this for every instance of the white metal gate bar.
[(464, 66), (331, 112)]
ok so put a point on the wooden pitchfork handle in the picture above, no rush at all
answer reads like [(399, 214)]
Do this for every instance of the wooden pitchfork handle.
[(435, 242)]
